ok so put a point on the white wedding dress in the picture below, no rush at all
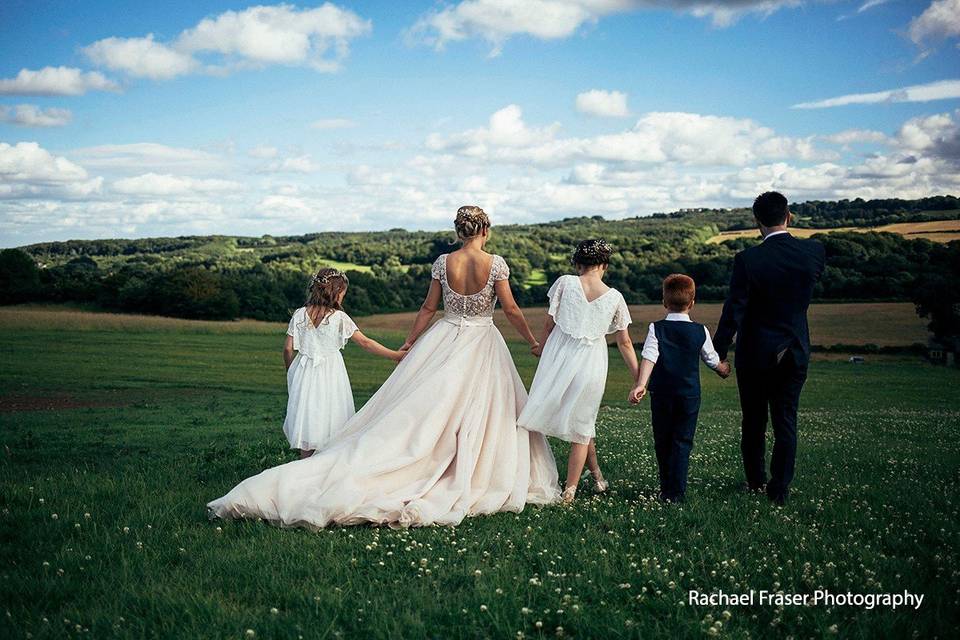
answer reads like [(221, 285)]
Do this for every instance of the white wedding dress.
[(437, 442)]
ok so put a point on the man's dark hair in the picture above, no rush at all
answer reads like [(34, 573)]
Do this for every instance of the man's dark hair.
[(770, 209)]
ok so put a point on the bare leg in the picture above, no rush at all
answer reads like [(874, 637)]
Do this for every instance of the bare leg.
[(592, 463), (305, 453), (599, 484), (578, 456)]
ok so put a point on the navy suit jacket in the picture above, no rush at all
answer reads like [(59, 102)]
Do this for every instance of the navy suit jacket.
[(766, 309)]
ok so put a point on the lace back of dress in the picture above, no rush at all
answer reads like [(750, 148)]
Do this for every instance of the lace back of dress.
[(480, 303)]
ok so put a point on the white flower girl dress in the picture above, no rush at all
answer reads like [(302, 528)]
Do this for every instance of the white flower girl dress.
[(320, 400), (572, 373)]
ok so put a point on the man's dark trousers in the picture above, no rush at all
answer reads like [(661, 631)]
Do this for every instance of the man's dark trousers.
[(775, 392)]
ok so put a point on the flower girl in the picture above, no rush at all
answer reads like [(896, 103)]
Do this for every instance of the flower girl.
[(572, 373), (320, 398)]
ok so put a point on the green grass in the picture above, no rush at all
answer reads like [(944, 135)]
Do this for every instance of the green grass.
[(345, 266), (537, 277), (103, 528)]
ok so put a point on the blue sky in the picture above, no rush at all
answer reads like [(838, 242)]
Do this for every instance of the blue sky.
[(146, 119)]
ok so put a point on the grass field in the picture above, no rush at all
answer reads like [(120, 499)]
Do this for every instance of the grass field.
[(116, 431), (936, 230)]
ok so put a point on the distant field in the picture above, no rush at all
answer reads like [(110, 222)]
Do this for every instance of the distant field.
[(937, 231), (345, 266), (880, 323)]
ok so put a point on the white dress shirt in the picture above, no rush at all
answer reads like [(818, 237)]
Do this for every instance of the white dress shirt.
[(651, 346), (775, 233)]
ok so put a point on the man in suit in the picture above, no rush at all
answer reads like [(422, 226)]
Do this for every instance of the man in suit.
[(766, 309)]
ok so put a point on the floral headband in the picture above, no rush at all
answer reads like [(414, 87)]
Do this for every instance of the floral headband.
[(476, 215), (325, 279), (593, 249)]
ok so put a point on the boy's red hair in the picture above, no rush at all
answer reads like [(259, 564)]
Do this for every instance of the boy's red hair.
[(679, 292)]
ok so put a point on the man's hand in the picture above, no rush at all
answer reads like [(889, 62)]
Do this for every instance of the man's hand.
[(536, 349), (723, 369), (637, 394)]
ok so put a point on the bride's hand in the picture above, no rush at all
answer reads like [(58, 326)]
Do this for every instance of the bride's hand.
[(536, 349)]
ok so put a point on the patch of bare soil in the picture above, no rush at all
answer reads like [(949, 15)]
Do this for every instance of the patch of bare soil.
[(60, 402)]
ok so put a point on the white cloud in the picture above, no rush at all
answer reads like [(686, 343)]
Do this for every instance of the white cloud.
[(870, 4), (55, 81), (30, 115), (293, 164), (29, 170), (608, 104), (506, 137), (939, 90), (519, 172), (148, 156), (282, 34), (940, 20), (141, 57), (153, 184), (936, 136), (856, 136), (263, 151), (498, 20), (333, 123), (686, 138)]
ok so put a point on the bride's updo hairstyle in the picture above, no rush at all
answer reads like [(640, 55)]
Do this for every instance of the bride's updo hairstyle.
[(325, 289), (471, 222), (590, 253)]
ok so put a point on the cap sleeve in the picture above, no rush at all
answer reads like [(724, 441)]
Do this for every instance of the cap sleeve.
[(439, 266), (292, 328), (555, 294), (347, 328), (499, 269), (621, 317)]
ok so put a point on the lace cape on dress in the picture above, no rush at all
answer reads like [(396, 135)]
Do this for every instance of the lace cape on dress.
[(586, 319)]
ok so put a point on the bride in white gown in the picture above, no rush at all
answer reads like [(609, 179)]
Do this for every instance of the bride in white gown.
[(439, 440)]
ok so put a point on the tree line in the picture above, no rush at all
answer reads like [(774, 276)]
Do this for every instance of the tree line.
[(223, 277)]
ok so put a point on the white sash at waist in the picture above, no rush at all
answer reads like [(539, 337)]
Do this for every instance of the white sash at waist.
[(315, 359), (468, 321)]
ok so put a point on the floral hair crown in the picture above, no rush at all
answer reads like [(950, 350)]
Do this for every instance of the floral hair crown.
[(475, 215), (592, 250), (324, 280)]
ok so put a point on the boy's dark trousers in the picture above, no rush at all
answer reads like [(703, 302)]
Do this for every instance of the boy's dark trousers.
[(674, 423)]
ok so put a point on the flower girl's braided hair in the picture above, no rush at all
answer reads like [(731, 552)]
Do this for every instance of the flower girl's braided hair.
[(325, 288), (471, 221), (592, 252)]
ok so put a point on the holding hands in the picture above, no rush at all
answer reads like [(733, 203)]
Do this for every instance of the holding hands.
[(637, 394), (723, 369)]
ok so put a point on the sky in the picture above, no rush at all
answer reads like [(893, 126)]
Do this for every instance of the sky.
[(133, 119)]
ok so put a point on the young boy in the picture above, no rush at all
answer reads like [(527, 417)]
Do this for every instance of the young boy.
[(671, 365)]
